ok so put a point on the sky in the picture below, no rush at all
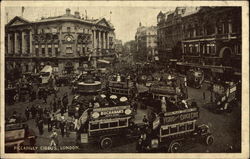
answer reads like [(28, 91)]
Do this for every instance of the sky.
[(125, 19)]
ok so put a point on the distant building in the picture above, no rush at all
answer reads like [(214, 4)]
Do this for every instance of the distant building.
[(146, 43), (129, 49), (66, 42), (118, 46)]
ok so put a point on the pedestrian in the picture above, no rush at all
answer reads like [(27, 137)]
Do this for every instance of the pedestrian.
[(33, 111), (14, 115), (62, 111), (145, 120), (62, 127), (59, 103), (40, 110), (53, 120), (49, 122), (65, 101), (67, 128), (45, 97), (54, 106), (54, 138), (27, 113), (40, 125)]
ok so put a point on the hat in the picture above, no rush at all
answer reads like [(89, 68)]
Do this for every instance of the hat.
[(113, 97)]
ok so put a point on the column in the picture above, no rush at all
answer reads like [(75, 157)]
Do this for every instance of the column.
[(229, 26), (94, 39), (53, 50), (16, 43), (46, 50), (104, 40), (9, 44), (107, 40), (23, 43), (99, 39), (31, 38)]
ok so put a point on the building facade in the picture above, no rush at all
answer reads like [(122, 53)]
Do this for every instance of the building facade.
[(204, 37), (66, 42), (146, 43), (170, 32), (212, 41)]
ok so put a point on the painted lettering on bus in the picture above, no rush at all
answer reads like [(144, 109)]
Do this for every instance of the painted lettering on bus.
[(181, 117), (111, 112)]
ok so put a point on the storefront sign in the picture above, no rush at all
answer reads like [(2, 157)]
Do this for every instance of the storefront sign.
[(181, 117)]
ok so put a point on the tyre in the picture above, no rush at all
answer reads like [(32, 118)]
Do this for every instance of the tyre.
[(174, 147), (106, 143), (209, 140)]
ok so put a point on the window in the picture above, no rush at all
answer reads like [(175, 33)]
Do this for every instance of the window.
[(37, 50), (104, 125), (68, 29), (165, 131), (190, 126), (43, 51), (182, 127), (94, 126), (219, 28), (49, 51), (69, 49), (56, 51), (122, 122), (83, 50), (173, 129), (114, 124), (226, 28)]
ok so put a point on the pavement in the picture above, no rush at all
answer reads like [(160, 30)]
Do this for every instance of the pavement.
[(226, 128)]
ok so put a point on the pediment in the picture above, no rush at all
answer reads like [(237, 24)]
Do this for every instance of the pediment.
[(103, 22), (17, 21)]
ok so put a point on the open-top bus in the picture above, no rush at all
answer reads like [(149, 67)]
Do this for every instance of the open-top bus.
[(107, 124), (171, 129)]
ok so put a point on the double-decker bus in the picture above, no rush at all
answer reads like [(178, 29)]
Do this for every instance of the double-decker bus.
[(123, 87), (225, 96), (107, 124), (195, 78), (175, 127)]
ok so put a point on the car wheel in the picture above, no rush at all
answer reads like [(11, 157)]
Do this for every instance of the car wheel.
[(209, 140), (106, 143), (174, 147)]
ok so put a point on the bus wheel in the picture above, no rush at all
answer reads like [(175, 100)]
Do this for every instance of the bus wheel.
[(174, 147), (106, 142), (209, 140)]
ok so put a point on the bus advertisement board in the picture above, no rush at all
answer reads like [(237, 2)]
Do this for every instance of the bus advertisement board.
[(181, 116), (111, 112)]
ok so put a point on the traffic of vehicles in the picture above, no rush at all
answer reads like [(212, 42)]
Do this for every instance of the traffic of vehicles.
[(106, 114)]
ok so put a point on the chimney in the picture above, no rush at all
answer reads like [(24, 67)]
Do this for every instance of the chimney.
[(67, 11), (77, 14)]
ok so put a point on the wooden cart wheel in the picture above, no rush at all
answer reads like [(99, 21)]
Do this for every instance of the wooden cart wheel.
[(106, 143), (209, 140), (174, 147)]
